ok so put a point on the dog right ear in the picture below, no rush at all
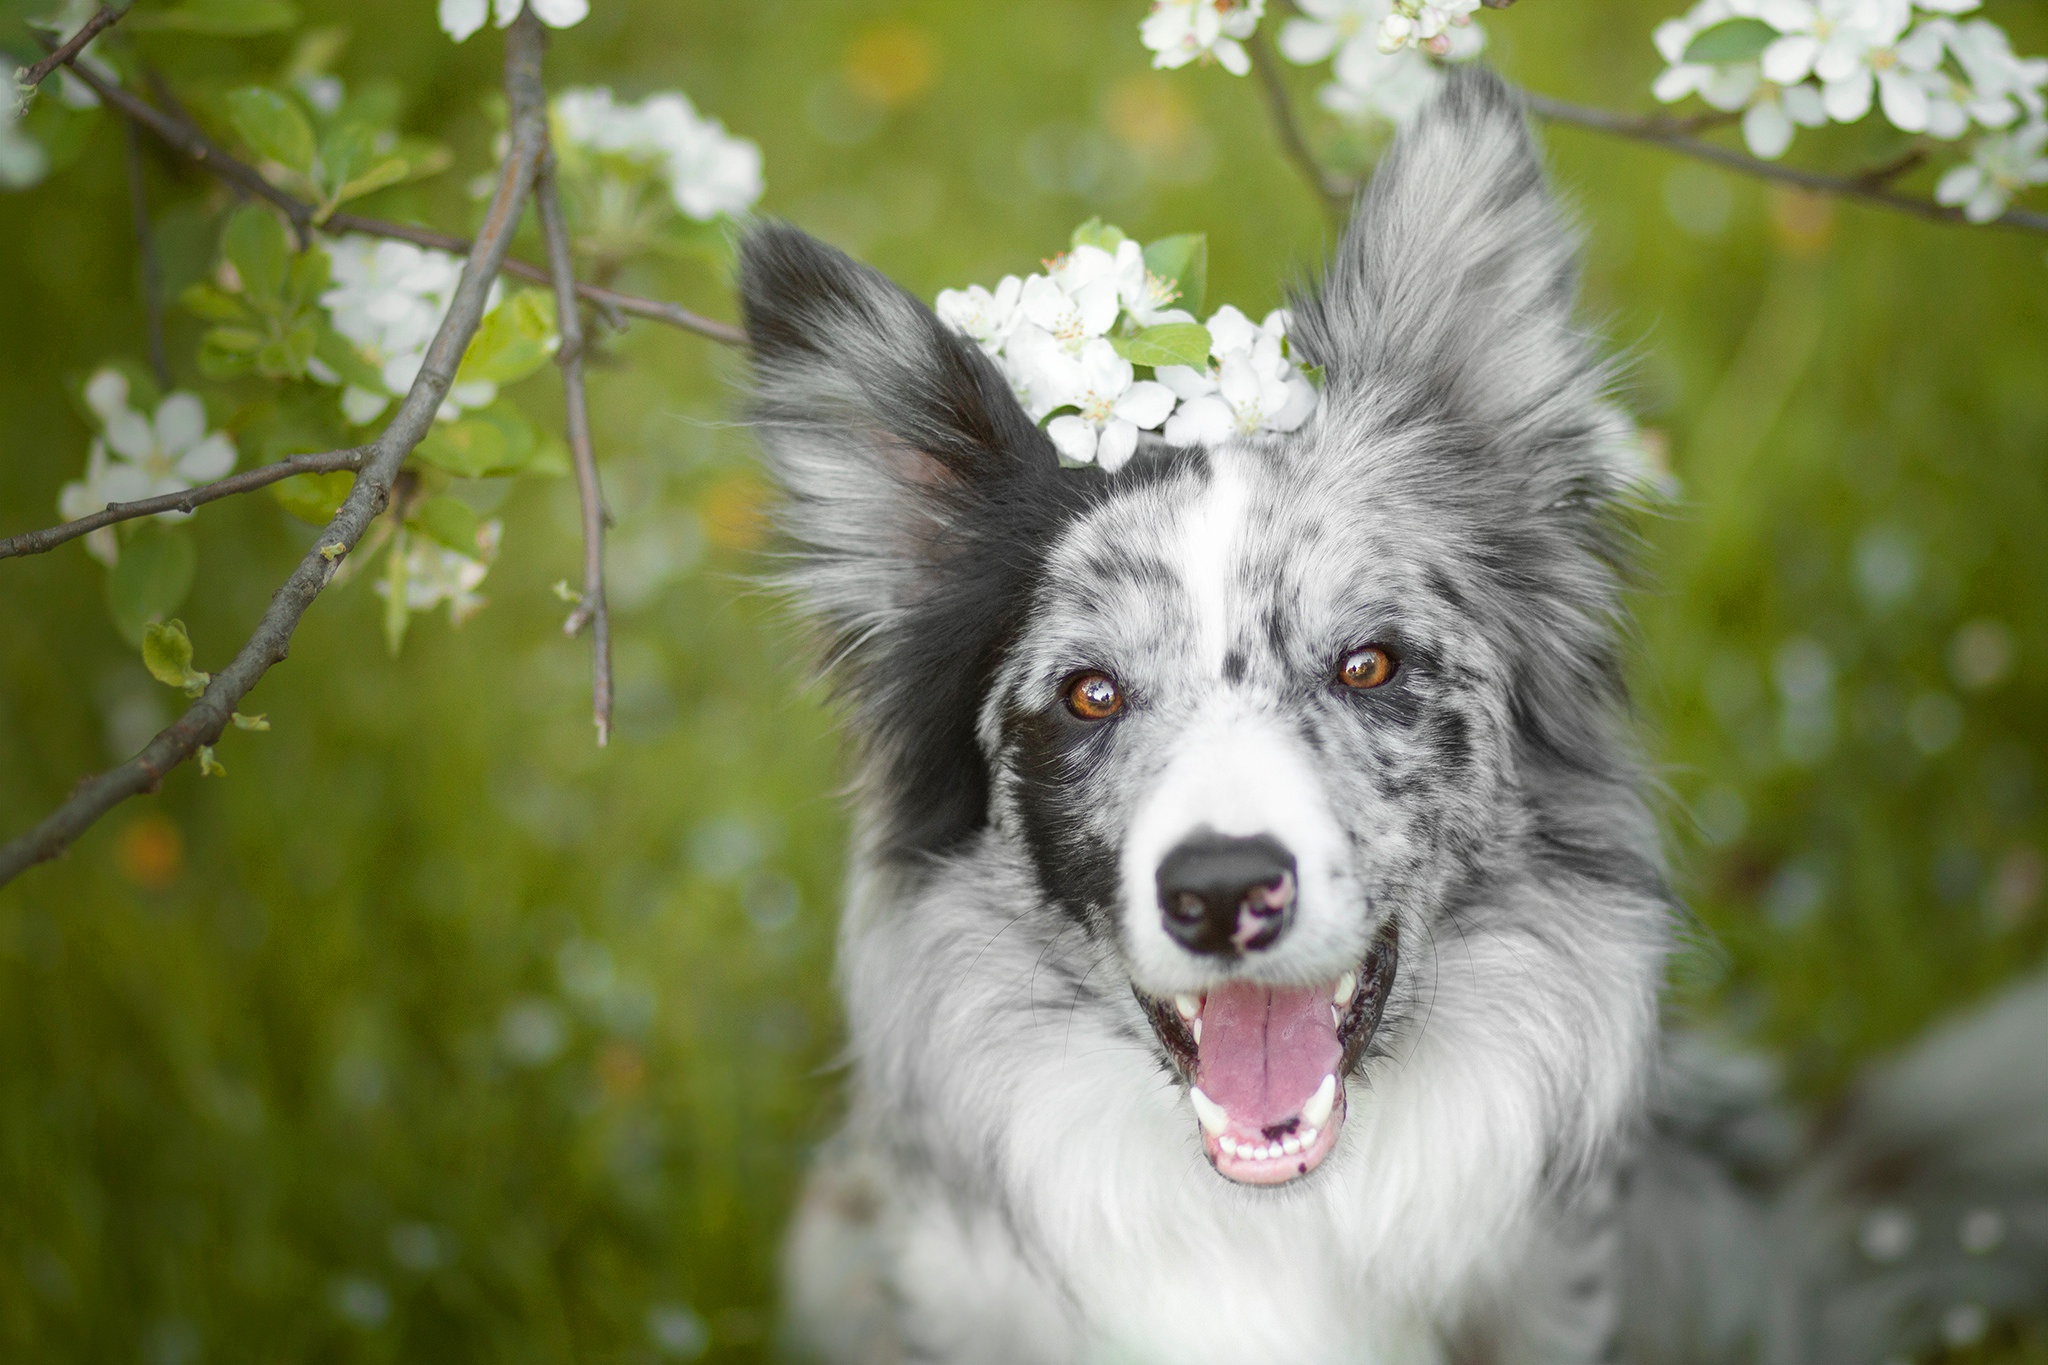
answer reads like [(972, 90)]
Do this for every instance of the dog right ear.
[(917, 496), (889, 432)]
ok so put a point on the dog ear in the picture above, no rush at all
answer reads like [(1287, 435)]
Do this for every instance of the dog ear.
[(1451, 294), (917, 494)]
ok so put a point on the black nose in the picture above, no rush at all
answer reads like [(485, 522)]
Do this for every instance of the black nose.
[(1224, 895)]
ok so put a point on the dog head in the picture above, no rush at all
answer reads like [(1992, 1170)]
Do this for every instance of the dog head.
[(1255, 714)]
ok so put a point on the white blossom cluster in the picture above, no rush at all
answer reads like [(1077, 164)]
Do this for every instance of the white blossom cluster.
[(1385, 54), (460, 18), (1790, 64), (141, 454), (388, 299), (432, 573), (1055, 338), (708, 170)]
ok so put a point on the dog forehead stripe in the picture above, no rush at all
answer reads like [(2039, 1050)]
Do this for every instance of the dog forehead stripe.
[(1210, 531)]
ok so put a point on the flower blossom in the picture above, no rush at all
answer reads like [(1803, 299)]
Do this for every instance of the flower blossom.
[(389, 298), (1112, 404), (1854, 48), (709, 170), (1428, 24), (1999, 167), (435, 574), (1251, 388), (460, 18), (986, 319), (141, 455), (1371, 82), (1182, 31)]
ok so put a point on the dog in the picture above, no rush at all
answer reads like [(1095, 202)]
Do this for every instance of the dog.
[(1255, 922)]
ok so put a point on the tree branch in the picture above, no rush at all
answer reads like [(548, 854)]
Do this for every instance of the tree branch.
[(151, 273), (208, 717), (103, 18), (1666, 133), (325, 462), (184, 136), (1334, 191), (590, 609)]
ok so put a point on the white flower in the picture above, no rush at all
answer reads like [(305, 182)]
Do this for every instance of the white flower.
[(22, 159), (1113, 405), (1075, 301), (709, 170), (460, 18), (1144, 295), (1252, 388), (1768, 122), (1373, 82), (2000, 166), (1181, 31), (1394, 86), (435, 574), (1427, 24), (389, 298), (139, 455), (987, 319), (2001, 85), (1854, 48), (1726, 86)]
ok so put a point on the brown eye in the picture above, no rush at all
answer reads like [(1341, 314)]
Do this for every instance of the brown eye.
[(1364, 668), (1093, 696)]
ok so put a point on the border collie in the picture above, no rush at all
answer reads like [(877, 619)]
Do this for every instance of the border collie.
[(1255, 923)]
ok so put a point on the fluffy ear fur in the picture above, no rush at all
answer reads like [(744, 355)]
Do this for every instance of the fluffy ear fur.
[(918, 496), (1451, 294)]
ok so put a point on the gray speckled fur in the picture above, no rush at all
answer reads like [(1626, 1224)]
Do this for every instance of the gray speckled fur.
[(1020, 1177)]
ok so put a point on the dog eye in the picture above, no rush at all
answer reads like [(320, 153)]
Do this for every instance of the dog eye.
[(1364, 668), (1093, 696)]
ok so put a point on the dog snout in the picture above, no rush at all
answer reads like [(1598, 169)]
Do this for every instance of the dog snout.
[(1223, 895)]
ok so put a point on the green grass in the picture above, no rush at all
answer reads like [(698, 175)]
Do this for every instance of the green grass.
[(430, 1032)]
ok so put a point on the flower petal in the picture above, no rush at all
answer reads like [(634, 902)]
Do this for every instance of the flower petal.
[(1074, 437), (1145, 404), (460, 18), (180, 423), (1113, 451), (130, 436), (106, 393), (210, 459), (1766, 129)]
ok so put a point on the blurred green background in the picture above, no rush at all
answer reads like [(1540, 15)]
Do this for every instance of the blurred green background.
[(432, 1032)]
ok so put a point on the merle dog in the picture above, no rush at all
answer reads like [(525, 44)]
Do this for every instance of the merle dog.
[(1255, 924)]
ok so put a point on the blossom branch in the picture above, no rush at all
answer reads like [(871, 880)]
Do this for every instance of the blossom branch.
[(186, 500), (1335, 190), (103, 18), (203, 723), (1868, 188), (590, 608), (184, 136)]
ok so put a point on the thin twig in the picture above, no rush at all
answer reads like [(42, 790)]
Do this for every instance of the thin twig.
[(183, 135), (1658, 133), (103, 18), (590, 608), (1335, 192), (208, 717), (1904, 164), (151, 273), (325, 462)]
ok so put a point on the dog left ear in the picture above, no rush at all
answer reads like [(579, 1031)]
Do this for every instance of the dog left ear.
[(1452, 292)]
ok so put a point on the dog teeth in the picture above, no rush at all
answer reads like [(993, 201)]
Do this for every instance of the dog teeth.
[(1195, 1028), (1316, 1112), (1309, 1135), (1214, 1120), (1190, 1007), (1291, 1145), (1347, 986), (1228, 1145)]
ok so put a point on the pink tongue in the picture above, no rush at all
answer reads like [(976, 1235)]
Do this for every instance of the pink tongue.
[(1265, 1050)]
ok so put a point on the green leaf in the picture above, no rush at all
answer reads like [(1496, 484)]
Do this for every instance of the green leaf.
[(397, 614), (550, 459), (470, 447), (314, 498), (205, 301), (256, 246), (151, 578), (273, 127), (450, 521), (209, 766), (339, 354), (345, 149), (167, 654), (512, 341), (1172, 343), (285, 357), (1185, 261), (1731, 40), (255, 722), (225, 18), (1095, 232)]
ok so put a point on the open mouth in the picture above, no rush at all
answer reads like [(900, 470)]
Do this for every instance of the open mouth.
[(1266, 1064)]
